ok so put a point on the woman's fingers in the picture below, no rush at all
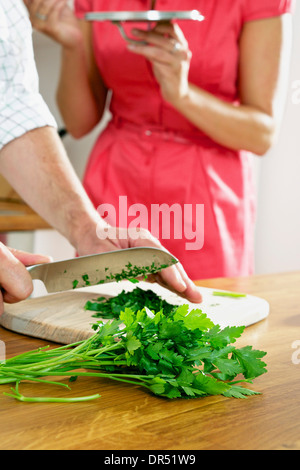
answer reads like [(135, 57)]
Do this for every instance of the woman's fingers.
[(156, 39), (163, 35), (55, 19), (39, 9), (172, 56), (151, 53), (165, 44)]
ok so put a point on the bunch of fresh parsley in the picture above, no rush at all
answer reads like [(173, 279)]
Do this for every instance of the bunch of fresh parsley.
[(179, 355)]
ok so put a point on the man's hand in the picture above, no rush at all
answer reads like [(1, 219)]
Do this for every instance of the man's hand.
[(15, 280), (106, 238)]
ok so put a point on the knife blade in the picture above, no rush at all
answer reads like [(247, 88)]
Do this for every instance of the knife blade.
[(101, 268)]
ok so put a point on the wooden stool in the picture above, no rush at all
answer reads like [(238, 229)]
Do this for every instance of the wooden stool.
[(15, 214)]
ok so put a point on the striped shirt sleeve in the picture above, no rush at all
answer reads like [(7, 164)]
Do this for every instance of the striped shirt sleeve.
[(22, 108)]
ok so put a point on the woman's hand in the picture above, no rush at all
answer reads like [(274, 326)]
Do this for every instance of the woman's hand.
[(55, 19), (169, 54), (15, 281)]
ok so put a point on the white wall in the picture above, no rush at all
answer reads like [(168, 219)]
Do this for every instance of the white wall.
[(278, 215), (278, 173)]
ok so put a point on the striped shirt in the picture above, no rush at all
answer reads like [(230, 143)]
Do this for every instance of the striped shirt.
[(22, 108)]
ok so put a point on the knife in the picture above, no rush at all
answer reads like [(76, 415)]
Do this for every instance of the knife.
[(101, 268)]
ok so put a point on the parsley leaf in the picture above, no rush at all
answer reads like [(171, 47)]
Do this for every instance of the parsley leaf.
[(250, 361)]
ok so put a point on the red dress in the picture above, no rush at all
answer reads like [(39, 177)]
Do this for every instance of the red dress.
[(150, 155)]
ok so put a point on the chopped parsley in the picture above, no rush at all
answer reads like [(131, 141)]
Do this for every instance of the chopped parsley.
[(136, 299), (130, 273), (85, 278)]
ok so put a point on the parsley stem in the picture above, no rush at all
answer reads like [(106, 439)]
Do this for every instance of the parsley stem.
[(52, 399), (18, 396), (228, 294)]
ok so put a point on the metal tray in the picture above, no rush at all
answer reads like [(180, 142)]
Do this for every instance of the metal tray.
[(150, 16), (140, 16)]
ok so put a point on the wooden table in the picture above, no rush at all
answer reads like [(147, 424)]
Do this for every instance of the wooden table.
[(128, 418)]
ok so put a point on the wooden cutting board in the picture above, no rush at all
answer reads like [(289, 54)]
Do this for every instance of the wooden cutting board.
[(61, 317)]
